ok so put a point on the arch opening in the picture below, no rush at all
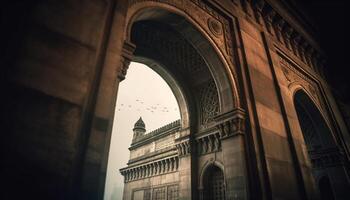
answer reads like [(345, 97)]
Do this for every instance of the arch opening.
[(169, 40), (138, 115), (213, 184), (325, 156), (174, 47)]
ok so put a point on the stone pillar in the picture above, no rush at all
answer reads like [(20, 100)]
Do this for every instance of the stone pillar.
[(231, 128), (184, 167), (115, 63)]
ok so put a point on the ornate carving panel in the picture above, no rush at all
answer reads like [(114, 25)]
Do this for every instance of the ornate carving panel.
[(169, 46), (209, 102), (127, 53), (327, 158), (183, 148), (231, 123), (208, 144)]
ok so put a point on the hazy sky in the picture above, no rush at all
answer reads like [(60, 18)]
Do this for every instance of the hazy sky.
[(142, 94)]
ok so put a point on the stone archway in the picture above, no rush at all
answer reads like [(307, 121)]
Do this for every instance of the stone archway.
[(325, 155), (175, 46)]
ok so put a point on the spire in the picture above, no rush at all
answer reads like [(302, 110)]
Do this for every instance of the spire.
[(140, 124), (139, 130)]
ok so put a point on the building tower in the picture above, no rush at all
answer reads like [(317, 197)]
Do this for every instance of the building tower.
[(139, 130)]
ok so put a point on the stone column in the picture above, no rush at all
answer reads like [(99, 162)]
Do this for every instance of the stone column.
[(185, 166), (114, 64), (231, 128)]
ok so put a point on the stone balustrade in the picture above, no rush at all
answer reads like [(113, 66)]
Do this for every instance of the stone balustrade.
[(154, 168)]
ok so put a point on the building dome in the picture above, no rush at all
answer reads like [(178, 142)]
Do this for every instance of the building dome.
[(140, 124)]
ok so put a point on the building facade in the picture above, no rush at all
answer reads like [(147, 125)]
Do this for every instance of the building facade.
[(258, 119), (152, 171)]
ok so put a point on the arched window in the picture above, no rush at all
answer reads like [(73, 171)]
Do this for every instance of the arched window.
[(322, 149), (214, 184)]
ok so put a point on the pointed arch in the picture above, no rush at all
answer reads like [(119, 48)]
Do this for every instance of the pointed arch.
[(324, 153), (212, 181), (206, 167)]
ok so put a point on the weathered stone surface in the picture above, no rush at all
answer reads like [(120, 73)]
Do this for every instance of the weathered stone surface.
[(249, 76)]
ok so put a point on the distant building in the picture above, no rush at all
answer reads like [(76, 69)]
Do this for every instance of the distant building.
[(158, 164), (152, 170)]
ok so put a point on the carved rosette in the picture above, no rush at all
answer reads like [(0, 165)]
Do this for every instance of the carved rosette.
[(127, 54), (231, 123), (215, 27)]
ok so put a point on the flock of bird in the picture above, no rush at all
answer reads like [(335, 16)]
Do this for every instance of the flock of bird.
[(142, 106)]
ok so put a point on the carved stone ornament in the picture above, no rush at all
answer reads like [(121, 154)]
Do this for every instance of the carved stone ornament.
[(293, 75), (150, 169), (209, 102), (127, 54), (215, 26), (208, 144), (183, 148), (231, 123)]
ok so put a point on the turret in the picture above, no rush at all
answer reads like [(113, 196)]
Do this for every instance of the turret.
[(139, 130)]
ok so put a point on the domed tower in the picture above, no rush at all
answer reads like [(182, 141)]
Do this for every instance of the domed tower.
[(139, 129)]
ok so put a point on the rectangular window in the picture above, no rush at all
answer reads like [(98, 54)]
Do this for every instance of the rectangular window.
[(159, 193), (173, 192), (147, 194)]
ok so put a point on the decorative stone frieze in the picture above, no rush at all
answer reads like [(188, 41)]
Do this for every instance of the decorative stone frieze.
[(296, 39), (231, 123), (208, 144), (127, 54), (258, 6), (154, 168), (279, 24), (269, 16), (309, 53), (246, 5), (287, 34), (326, 158), (302, 48), (183, 148)]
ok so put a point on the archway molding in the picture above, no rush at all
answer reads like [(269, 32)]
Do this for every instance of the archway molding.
[(193, 30), (297, 87)]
